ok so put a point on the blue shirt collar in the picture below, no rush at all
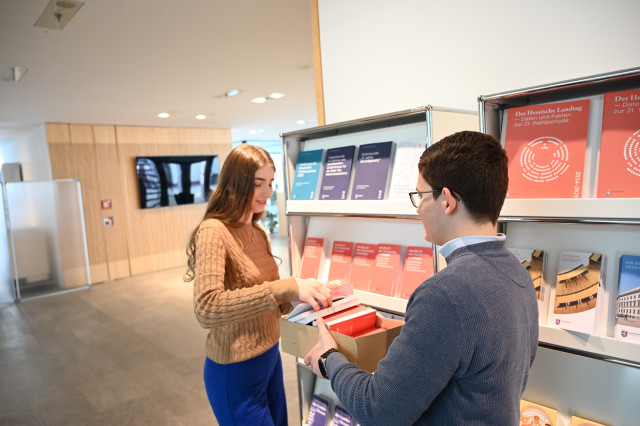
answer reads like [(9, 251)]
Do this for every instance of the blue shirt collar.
[(450, 246)]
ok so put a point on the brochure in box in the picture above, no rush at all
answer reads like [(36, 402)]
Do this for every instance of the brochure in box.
[(307, 174), (577, 291), (307, 317), (337, 173), (619, 170), (339, 290), (351, 321), (546, 147), (298, 339), (628, 301)]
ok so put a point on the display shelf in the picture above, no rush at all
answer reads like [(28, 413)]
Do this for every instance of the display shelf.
[(600, 347), (362, 221), (610, 226), (373, 208), (598, 210)]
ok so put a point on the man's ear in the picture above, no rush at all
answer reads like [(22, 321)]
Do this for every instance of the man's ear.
[(451, 203)]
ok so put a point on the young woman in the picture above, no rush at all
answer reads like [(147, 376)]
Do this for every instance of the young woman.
[(239, 296)]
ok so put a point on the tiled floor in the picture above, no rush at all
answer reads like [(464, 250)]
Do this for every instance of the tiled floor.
[(125, 352)]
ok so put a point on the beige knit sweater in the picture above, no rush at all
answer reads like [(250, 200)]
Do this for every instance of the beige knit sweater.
[(237, 292)]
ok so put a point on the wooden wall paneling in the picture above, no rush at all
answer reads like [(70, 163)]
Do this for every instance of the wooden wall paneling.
[(59, 142), (159, 237), (84, 164), (109, 174), (72, 270), (317, 61)]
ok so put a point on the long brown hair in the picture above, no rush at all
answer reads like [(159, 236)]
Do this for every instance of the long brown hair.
[(231, 201)]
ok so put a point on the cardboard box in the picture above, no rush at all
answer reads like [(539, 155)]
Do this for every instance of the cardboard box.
[(298, 339)]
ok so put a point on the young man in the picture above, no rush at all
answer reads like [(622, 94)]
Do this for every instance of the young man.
[(471, 330)]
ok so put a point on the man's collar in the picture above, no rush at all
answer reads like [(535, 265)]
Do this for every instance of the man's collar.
[(450, 246)]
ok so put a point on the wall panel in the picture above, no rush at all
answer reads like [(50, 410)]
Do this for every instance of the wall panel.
[(103, 159), (159, 237), (84, 164), (59, 142), (109, 172)]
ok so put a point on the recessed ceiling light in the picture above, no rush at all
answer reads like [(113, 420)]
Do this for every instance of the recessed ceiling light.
[(276, 95), (200, 117), (259, 100), (164, 115), (301, 122), (233, 92)]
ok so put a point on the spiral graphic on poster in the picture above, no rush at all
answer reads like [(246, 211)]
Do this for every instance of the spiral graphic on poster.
[(544, 159), (632, 153)]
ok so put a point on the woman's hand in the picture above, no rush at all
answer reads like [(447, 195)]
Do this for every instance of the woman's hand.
[(314, 293)]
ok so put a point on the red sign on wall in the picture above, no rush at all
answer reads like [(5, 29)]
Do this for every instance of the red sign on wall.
[(106, 204)]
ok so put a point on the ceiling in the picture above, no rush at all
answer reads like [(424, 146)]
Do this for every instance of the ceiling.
[(122, 62)]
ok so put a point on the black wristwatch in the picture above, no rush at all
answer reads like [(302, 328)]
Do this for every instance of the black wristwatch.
[(323, 360)]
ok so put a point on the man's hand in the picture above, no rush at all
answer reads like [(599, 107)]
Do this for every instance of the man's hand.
[(325, 342)]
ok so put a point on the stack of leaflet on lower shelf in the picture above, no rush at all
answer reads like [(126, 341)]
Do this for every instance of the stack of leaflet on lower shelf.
[(536, 414), (318, 411), (325, 408)]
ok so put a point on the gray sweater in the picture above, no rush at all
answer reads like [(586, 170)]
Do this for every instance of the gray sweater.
[(464, 354)]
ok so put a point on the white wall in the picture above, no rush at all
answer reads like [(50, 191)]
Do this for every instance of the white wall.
[(381, 56), (32, 151)]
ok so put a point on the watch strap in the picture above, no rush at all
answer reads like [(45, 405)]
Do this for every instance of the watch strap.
[(322, 362)]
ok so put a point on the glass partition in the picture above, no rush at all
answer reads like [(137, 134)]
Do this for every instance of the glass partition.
[(47, 237), (6, 278)]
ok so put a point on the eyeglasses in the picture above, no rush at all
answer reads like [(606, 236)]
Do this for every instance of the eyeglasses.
[(416, 196)]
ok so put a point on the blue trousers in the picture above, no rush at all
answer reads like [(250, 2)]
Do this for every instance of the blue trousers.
[(250, 392)]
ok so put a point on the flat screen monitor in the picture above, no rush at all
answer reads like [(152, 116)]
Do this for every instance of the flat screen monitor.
[(176, 180)]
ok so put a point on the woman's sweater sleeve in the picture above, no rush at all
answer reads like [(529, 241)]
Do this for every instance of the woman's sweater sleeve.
[(216, 306)]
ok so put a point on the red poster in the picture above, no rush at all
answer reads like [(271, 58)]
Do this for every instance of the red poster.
[(312, 258), (546, 148), (387, 269), (418, 266), (364, 260), (341, 256), (619, 174)]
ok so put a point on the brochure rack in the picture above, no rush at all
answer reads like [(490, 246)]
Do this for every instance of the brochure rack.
[(363, 221), (607, 226)]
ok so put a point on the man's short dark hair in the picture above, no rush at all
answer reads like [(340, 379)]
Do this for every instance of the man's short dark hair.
[(474, 166)]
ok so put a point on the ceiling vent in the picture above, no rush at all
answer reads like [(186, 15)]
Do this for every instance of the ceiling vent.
[(58, 13)]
